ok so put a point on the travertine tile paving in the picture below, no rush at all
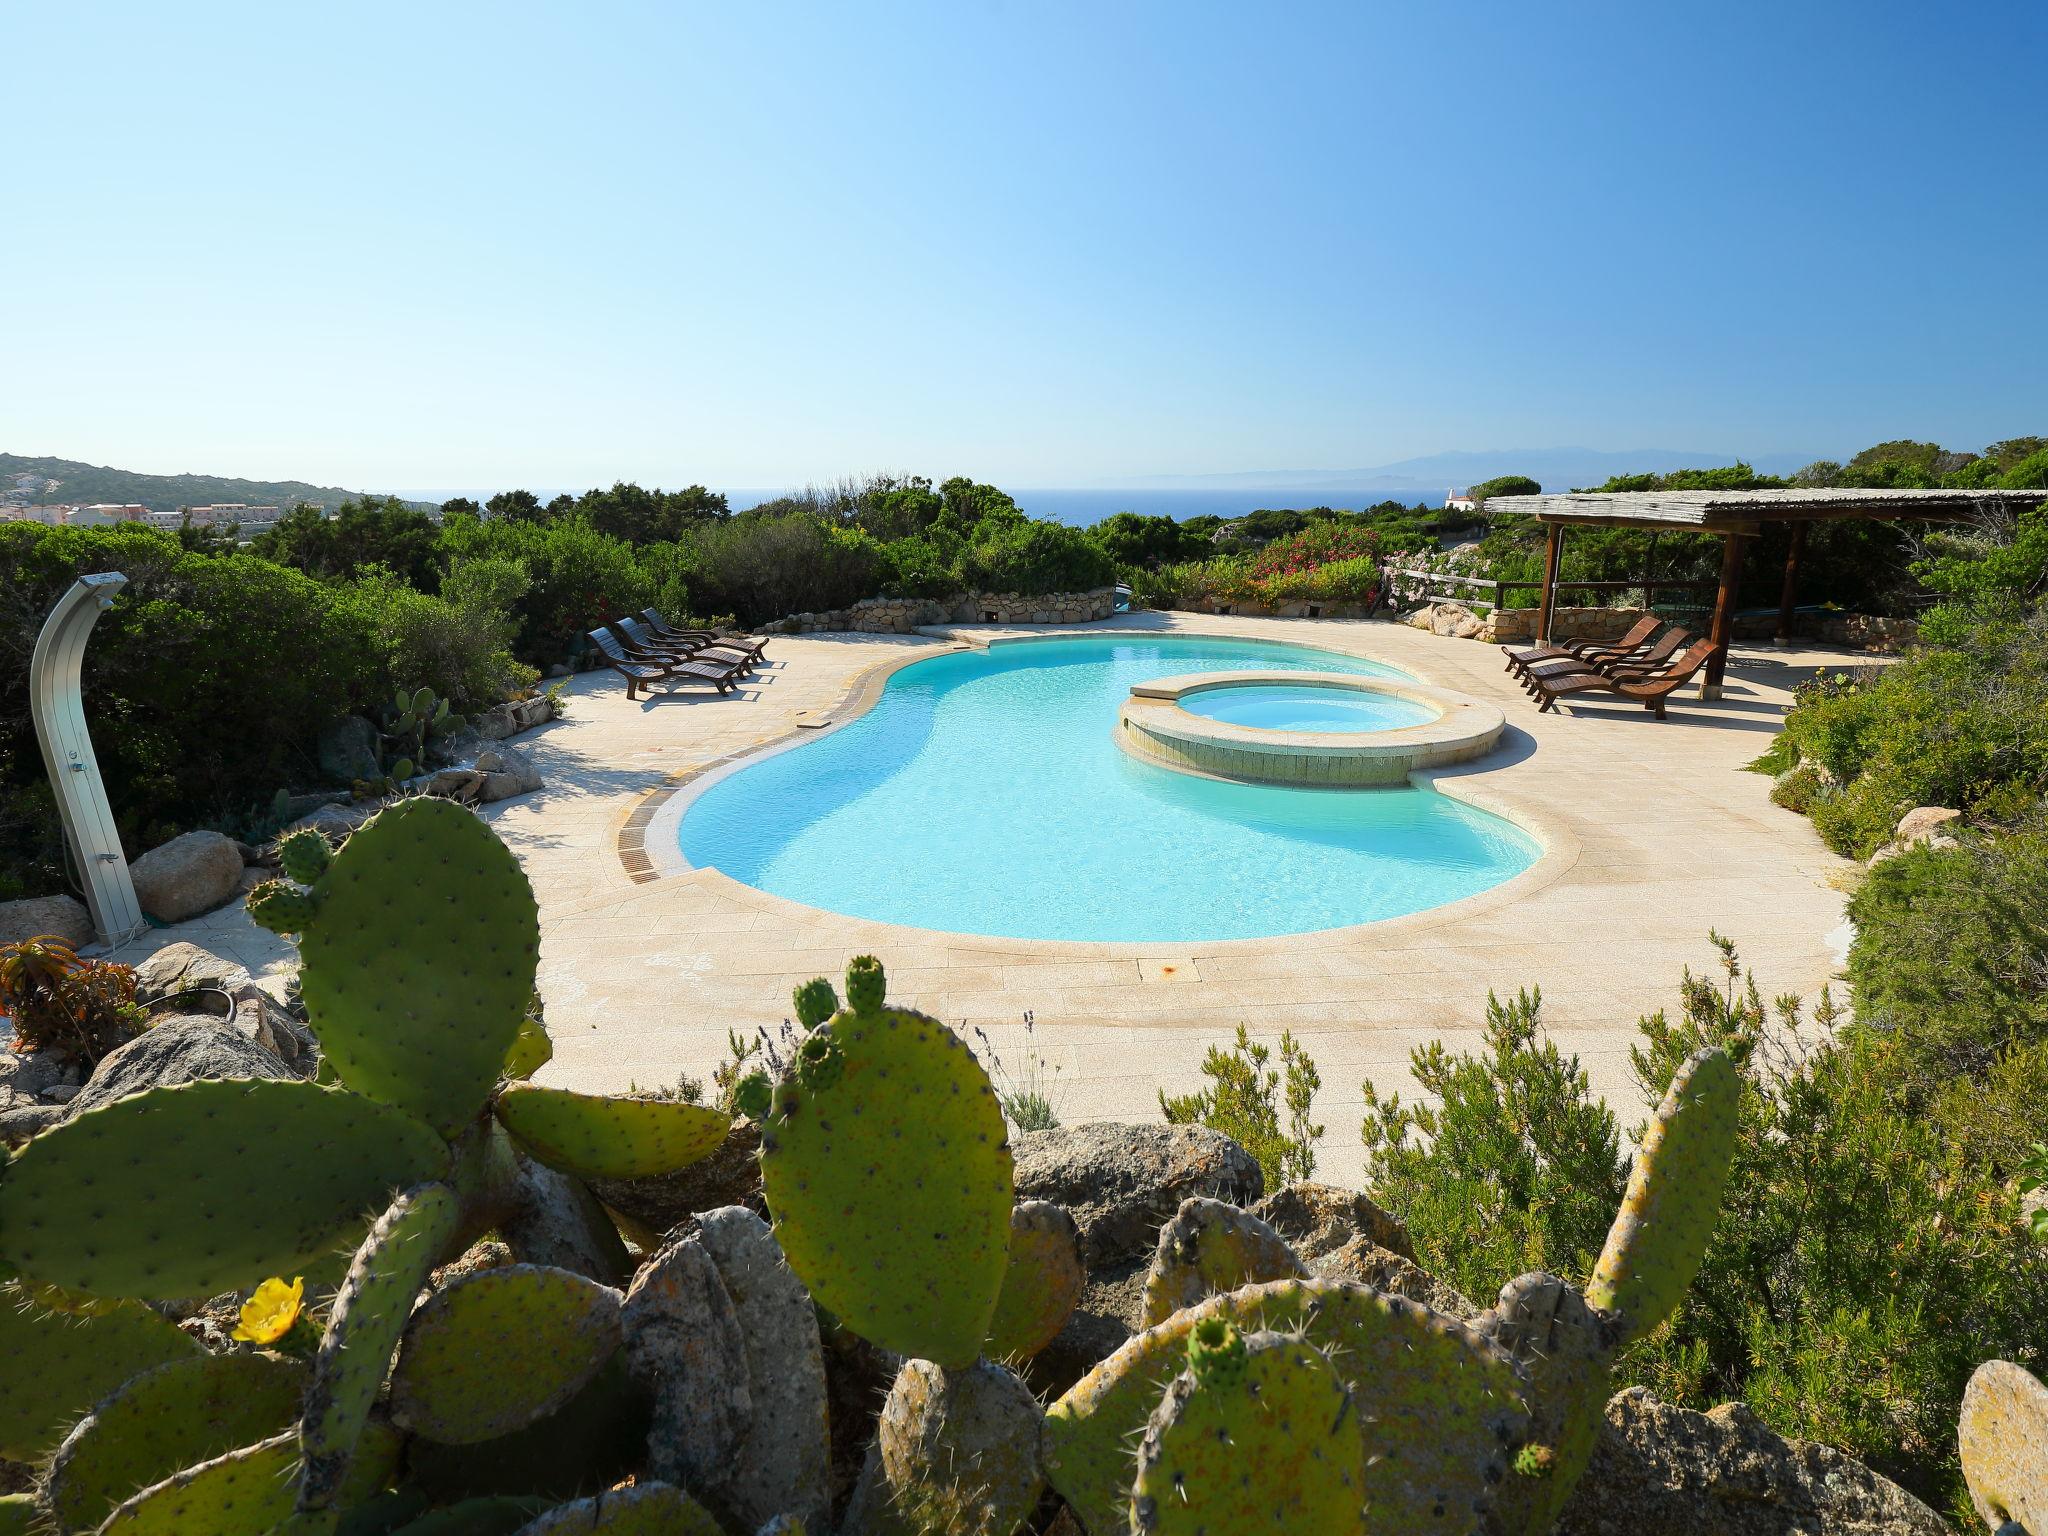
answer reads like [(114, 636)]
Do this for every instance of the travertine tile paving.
[(1655, 835)]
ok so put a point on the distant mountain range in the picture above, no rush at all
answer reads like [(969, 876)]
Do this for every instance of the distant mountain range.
[(89, 484), (1558, 469)]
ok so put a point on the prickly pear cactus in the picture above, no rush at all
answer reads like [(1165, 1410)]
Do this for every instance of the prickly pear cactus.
[(63, 1354), (2003, 1434), (165, 1420), (959, 1449), (815, 1002), (498, 1349), (1208, 1247), (280, 906), (1440, 1405), (247, 1492), (887, 1168), (1258, 1434), (1042, 1284), (211, 1186), (370, 1313), (418, 960), (600, 1138), (531, 1049), (645, 1509), (1674, 1197), (19, 1515), (303, 855), (1565, 1350)]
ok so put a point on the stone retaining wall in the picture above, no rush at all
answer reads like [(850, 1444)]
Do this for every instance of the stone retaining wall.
[(904, 615), (1294, 610)]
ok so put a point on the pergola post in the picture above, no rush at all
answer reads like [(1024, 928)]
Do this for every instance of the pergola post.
[(1553, 551), (1724, 615), (1790, 591)]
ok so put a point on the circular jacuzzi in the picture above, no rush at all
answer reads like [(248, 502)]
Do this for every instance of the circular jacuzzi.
[(1326, 729)]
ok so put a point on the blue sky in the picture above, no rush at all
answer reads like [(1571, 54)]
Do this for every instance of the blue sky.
[(1041, 243)]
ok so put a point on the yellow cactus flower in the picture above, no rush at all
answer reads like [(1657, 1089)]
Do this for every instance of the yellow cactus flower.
[(270, 1311)]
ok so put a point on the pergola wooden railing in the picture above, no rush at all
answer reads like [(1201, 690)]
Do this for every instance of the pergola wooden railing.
[(1474, 590), (1735, 516)]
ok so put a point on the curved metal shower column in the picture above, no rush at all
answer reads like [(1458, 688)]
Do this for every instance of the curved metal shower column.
[(58, 706)]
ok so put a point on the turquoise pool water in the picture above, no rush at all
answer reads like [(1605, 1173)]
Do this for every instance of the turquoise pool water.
[(1306, 709), (984, 793)]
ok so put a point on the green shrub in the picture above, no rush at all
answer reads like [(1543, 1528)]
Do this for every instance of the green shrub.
[(206, 685), (764, 567), (1245, 1099), (457, 644), (1034, 558), (1515, 1168), (577, 578)]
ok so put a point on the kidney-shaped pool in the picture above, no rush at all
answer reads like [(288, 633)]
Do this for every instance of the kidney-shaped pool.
[(985, 794)]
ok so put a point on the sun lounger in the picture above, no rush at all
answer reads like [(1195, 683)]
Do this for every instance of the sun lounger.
[(653, 622), (1637, 639), (641, 674), (639, 644), (1648, 689), (1648, 659)]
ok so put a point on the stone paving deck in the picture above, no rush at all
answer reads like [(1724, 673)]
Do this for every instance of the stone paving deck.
[(1653, 836)]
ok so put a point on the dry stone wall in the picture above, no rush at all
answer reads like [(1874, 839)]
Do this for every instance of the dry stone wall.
[(904, 615)]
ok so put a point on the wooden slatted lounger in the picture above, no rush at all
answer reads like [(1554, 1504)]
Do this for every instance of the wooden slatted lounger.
[(659, 628), (1647, 660), (642, 646), (1638, 638), (639, 674), (1650, 691)]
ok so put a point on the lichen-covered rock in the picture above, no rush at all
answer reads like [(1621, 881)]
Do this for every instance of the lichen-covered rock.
[(1121, 1182), (1320, 1218), (64, 916), (731, 1175), (179, 1050), (192, 873), (1658, 1468), (685, 1348), (183, 967), (782, 1462), (1363, 1260), (2003, 1435)]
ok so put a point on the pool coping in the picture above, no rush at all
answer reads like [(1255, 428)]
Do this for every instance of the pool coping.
[(649, 850)]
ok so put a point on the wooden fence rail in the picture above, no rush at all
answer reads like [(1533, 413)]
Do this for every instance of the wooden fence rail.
[(1453, 587)]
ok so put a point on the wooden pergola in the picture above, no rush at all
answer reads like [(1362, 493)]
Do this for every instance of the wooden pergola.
[(1735, 516)]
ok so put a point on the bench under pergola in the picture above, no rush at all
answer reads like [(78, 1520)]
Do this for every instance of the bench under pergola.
[(1735, 516)]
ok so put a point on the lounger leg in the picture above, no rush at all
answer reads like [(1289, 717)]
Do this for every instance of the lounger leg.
[(1659, 708)]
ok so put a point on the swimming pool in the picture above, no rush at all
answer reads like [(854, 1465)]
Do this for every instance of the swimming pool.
[(1273, 708), (984, 794)]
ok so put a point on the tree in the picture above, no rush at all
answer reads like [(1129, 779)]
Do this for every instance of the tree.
[(1148, 542), (1505, 485), (372, 531), (518, 506), (460, 506), (639, 516)]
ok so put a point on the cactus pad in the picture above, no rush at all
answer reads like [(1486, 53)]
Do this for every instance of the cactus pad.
[(247, 1492), (303, 855), (1565, 1350), (166, 1420), (60, 1362), (1270, 1444), (419, 965), (815, 1002), (531, 1050), (1208, 1247), (2003, 1432), (890, 1181), (19, 1515), (645, 1509), (499, 1349), (601, 1138), (866, 986), (281, 907), (1042, 1284), (1440, 1406), (205, 1187), (370, 1313), (1674, 1197), (960, 1449)]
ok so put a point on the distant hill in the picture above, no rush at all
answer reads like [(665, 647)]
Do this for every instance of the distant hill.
[(1558, 469), (91, 483)]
